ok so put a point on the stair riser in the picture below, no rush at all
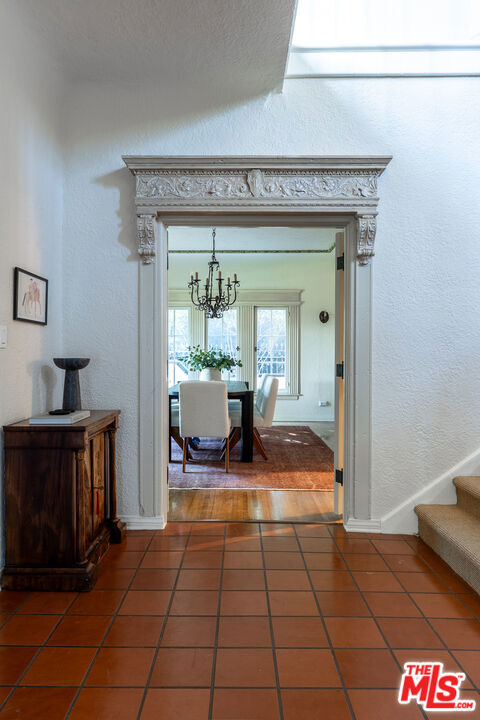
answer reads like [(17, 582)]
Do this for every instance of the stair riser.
[(449, 552), (468, 502)]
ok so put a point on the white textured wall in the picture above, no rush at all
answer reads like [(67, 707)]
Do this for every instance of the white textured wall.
[(426, 385), (31, 184), (315, 275)]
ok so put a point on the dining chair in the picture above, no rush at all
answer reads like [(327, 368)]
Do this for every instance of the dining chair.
[(174, 423), (203, 412), (174, 432), (263, 413)]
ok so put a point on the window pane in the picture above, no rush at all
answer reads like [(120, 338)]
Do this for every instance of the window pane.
[(272, 345), (178, 342), (223, 334)]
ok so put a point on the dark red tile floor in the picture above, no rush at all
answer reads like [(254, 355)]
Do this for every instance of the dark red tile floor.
[(240, 622)]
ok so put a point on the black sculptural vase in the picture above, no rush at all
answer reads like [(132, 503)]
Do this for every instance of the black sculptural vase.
[(71, 388)]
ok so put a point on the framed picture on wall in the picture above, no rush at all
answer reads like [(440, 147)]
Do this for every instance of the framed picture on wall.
[(30, 297)]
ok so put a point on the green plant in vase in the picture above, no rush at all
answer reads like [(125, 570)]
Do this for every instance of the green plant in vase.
[(211, 362)]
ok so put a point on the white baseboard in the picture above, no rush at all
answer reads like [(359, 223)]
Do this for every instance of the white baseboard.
[(354, 525), (442, 490), (138, 522)]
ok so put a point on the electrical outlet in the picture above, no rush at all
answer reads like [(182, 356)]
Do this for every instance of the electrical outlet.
[(3, 337), (323, 403)]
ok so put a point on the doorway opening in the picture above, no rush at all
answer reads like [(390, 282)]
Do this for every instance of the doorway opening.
[(286, 323), (289, 191)]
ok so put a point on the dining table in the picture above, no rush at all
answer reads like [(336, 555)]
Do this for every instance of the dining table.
[(237, 390)]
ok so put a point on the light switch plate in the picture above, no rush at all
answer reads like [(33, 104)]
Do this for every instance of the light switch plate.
[(3, 337)]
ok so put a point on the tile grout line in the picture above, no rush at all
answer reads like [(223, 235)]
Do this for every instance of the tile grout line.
[(270, 622), (227, 687), (162, 631), (113, 618), (217, 628), (325, 629), (395, 660), (290, 592), (239, 647)]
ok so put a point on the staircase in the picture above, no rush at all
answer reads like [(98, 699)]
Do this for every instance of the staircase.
[(453, 531)]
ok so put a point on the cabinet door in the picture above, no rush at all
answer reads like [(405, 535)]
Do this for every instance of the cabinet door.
[(40, 507)]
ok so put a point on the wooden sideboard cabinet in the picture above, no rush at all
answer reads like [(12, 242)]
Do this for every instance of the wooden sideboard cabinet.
[(60, 502)]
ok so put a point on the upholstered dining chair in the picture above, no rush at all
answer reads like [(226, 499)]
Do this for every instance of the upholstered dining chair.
[(264, 411), (203, 412), (174, 433), (174, 422)]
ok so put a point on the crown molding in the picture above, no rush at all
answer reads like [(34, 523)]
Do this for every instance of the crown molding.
[(234, 162)]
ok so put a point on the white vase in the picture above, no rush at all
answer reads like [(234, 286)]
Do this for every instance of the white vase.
[(210, 373)]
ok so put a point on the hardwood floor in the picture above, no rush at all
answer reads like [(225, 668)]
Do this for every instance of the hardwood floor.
[(252, 505)]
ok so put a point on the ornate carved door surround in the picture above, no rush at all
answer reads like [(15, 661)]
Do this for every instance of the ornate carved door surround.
[(335, 191)]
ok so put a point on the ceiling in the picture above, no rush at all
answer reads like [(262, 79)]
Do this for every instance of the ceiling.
[(184, 44), (242, 238)]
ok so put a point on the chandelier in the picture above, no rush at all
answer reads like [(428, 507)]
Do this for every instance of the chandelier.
[(215, 300)]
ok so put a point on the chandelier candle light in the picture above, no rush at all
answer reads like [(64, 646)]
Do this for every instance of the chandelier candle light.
[(213, 305)]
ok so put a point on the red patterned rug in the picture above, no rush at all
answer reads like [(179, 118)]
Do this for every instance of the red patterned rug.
[(297, 460)]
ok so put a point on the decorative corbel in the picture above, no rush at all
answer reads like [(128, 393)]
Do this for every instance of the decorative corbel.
[(366, 229), (146, 238)]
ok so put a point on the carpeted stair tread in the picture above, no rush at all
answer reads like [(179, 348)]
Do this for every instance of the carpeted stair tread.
[(454, 533), (468, 494), (468, 483)]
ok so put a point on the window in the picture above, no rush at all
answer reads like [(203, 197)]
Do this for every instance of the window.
[(223, 333), (271, 347), (178, 342), (375, 37), (264, 324)]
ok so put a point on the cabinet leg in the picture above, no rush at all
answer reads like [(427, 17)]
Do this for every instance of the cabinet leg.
[(117, 531)]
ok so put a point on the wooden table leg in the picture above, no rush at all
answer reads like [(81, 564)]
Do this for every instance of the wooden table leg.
[(247, 427)]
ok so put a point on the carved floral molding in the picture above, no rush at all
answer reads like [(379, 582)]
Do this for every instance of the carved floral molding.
[(146, 238), (366, 229), (255, 184), (321, 185)]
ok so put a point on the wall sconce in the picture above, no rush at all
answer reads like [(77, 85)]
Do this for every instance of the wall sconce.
[(324, 316)]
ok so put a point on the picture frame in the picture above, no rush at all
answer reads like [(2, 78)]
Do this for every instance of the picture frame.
[(30, 297)]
